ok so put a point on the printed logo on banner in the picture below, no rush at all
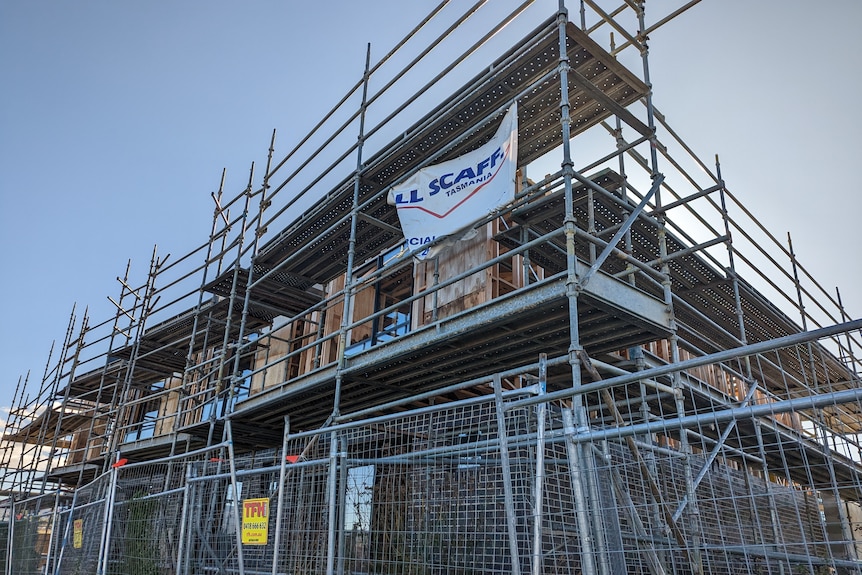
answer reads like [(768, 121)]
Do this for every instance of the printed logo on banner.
[(255, 521), (446, 198)]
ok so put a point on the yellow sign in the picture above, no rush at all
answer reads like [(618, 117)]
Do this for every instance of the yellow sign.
[(78, 533), (255, 521)]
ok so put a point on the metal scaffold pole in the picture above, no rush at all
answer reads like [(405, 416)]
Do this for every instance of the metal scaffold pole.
[(282, 472), (67, 529), (10, 426), (49, 556), (693, 551), (182, 545), (224, 375), (580, 424), (236, 377), (29, 479), (10, 549), (508, 497), (823, 429), (570, 388), (108, 519), (64, 402), (332, 503), (743, 338), (849, 355), (107, 386), (541, 415), (237, 502), (218, 212), (575, 472), (147, 302), (349, 288), (654, 558), (335, 527)]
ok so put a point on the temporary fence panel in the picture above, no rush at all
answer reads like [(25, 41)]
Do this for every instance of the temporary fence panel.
[(147, 510), (32, 526), (483, 484)]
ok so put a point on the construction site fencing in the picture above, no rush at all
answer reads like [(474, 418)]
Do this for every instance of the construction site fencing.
[(29, 533), (509, 482)]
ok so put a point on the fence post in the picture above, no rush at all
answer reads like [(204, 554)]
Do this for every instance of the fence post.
[(11, 536), (280, 507), (48, 554), (107, 523), (588, 563), (332, 495), (511, 525), (65, 540), (236, 497), (181, 550), (540, 466)]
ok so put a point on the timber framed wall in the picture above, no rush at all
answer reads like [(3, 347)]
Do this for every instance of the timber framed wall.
[(598, 381)]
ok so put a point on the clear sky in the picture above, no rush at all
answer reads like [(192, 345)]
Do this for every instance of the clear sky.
[(116, 119)]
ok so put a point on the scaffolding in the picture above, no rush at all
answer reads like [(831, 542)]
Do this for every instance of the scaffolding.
[(605, 377)]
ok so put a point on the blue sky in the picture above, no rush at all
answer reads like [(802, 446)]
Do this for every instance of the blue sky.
[(116, 119)]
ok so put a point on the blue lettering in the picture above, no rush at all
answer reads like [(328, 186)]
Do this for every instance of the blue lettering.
[(420, 241), (414, 198), (465, 173), (497, 155), (435, 187), (482, 165), (446, 181)]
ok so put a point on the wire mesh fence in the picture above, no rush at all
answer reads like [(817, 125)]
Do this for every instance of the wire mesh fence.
[(502, 483), (79, 541), (29, 534)]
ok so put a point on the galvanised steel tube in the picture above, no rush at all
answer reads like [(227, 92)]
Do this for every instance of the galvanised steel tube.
[(725, 415), (582, 505), (341, 505), (182, 545), (427, 160), (540, 467), (282, 472), (718, 357), (65, 540), (107, 523), (349, 287), (180, 456), (648, 375), (332, 503), (264, 202), (511, 524), (225, 344), (713, 454), (10, 549), (822, 436), (581, 513), (611, 245), (237, 502)]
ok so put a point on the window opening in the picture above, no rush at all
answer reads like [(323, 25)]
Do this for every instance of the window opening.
[(388, 291), (145, 416)]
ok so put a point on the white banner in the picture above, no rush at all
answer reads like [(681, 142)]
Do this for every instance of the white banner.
[(446, 198)]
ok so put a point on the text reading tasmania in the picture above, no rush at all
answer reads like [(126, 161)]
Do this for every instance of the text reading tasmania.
[(448, 197)]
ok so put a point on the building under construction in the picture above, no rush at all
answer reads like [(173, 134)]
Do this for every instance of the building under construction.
[(590, 377)]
